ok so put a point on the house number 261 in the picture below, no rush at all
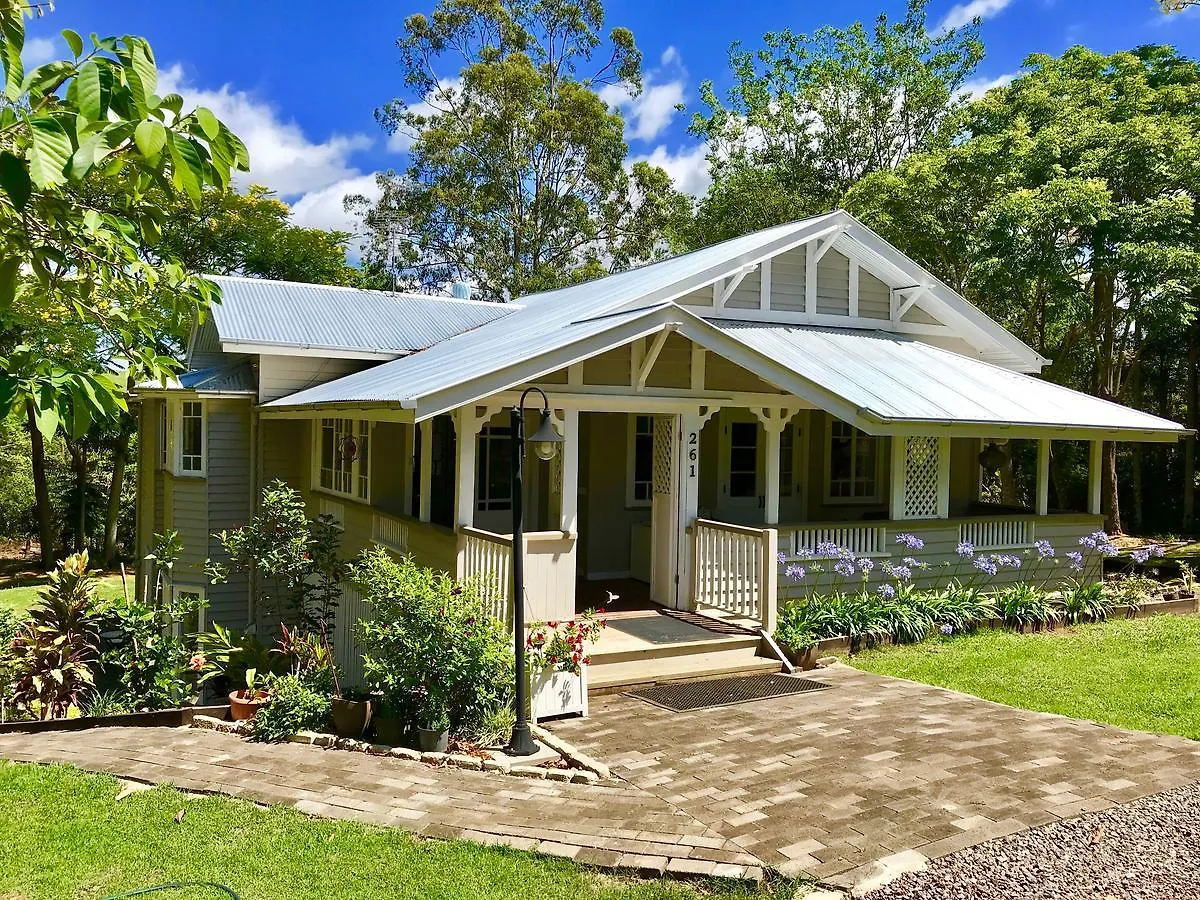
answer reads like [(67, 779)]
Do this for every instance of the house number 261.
[(692, 452)]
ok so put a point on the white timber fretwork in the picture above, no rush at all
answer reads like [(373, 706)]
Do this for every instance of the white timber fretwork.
[(920, 477), (774, 420)]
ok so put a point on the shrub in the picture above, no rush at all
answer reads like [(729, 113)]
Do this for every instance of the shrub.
[(1084, 602), (432, 643), (860, 617), (801, 624), (1024, 605), (961, 607), (1128, 589), (906, 619), (56, 648), (297, 704), (223, 657)]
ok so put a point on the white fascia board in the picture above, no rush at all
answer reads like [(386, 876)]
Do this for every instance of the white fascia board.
[(372, 412), (282, 349), (879, 425)]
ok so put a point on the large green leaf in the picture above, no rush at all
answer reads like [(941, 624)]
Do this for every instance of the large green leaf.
[(90, 94), (209, 123), (92, 149), (10, 269), (187, 170), (49, 152), (150, 137), (74, 41), (14, 179), (12, 30)]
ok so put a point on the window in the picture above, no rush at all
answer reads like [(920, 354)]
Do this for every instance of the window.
[(493, 468), (640, 462), (193, 596), (163, 459), (191, 437), (786, 457), (743, 459), (343, 461), (852, 464)]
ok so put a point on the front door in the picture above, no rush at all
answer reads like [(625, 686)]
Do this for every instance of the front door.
[(664, 516), (741, 470)]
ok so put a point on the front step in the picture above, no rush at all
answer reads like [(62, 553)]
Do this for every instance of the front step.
[(694, 665)]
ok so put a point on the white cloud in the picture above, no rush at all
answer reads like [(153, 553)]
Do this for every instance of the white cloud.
[(434, 102), (670, 57), (323, 208), (282, 157), (39, 51), (977, 87), (963, 13), (648, 114), (688, 167)]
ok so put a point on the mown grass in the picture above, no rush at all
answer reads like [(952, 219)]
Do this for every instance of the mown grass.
[(1142, 674), (64, 835), (21, 598)]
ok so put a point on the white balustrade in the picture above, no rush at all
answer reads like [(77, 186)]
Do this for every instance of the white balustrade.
[(351, 608), (862, 540), (487, 557), (997, 534), (333, 509), (736, 570), (389, 532)]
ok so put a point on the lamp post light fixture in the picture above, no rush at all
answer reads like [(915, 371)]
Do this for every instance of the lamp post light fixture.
[(545, 445)]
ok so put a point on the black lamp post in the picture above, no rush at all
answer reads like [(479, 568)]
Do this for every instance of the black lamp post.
[(545, 444)]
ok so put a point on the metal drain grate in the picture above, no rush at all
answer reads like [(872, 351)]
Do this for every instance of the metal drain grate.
[(689, 695)]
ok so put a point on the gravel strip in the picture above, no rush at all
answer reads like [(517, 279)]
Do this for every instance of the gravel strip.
[(1145, 850)]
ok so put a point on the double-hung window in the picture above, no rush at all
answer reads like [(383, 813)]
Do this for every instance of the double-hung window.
[(344, 465), (493, 469), (191, 438), (640, 462), (852, 464)]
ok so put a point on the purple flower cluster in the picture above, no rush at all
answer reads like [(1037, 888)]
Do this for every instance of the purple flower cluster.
[(1044, 549), (965, 549), (911, 541), (1100, 542), (886, 591), (827, 550), (947, 629), (844, 567), (1142, 554), (795, 571), (1075, 559), (865, 565)]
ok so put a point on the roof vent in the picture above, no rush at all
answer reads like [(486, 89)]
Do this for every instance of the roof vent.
[(461, 290)]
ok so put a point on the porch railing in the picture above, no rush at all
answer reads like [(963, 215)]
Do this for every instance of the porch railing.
[(737, 570), (863, 540), (487, 557), (390, 532), (351, 608), (997, 534)]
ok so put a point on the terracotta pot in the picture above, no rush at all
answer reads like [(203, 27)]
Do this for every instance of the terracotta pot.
[(389, 730), (803, 659), (241, 709), (433, 740), (351, 717)]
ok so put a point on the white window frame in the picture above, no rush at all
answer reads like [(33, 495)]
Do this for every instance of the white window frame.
[(363, 431), (827, 479), (483, 457), (202, 470), (177, 588), (164, 433), (631, 499)]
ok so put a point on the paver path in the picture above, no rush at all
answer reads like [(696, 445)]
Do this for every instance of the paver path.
[(823, 784)]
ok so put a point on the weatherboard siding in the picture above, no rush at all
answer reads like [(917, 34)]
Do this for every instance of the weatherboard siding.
[(833, 285), (230, 502), (874, 297), (280, 375), (788, 281)]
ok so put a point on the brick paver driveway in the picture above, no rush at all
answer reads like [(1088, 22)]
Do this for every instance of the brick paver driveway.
[(823, 784)]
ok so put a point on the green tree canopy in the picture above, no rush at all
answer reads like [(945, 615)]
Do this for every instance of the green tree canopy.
[(1067, 210), (809, 115), (518, 178)]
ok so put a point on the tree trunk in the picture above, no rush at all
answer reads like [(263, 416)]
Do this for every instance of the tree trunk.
[(41, 490), (1189, 443), (79, 466), (1109, 501), (120, 456)]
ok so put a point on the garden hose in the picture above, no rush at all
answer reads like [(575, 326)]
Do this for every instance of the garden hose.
[(174, 886)]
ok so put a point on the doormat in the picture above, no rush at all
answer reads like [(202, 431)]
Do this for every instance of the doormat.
[(689, 695), (708, 623)]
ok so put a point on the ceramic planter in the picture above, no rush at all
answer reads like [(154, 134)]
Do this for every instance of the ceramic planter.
[(555, 693), (351, 717), (241, 709), (805, 658), (433, 740)]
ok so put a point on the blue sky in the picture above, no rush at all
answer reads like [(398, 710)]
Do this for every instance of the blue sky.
[(299, 80)]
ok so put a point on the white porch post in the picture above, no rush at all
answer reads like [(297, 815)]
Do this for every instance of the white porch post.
[(569, 509), (464, 492), (773, 422), (426, 487), (1095, 464), (1042, 506), (691, 424), (943, 478), (896, 501)]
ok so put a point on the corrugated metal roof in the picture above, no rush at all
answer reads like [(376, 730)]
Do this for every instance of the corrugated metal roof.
[(895, 379), (236, 379), (287, 313)]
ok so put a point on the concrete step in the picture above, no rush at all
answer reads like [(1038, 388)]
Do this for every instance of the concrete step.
[(606, 655), (611, 677)]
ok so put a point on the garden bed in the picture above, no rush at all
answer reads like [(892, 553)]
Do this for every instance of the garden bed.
[(159, 718)]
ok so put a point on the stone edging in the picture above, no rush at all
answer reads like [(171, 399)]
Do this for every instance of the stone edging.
[(584, 769)]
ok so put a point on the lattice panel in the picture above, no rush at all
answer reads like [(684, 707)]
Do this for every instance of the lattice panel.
[(664, 439), (920, 477)]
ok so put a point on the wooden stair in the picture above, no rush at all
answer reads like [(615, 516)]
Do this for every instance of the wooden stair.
[(618, 670)]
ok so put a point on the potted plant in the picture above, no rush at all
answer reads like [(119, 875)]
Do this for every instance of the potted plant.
[(433, 721), (245, 703), (558, 664), (390, 725)]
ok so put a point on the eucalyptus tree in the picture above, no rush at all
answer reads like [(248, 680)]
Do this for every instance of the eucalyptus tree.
[(1067, 209), (518, 178), (69, 128), (809, 115)]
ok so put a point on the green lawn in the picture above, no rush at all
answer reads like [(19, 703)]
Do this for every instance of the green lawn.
[(64, 836), (21, 598), (1137, 673)]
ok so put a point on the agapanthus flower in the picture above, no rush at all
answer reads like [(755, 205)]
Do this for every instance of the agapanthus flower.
[(1076, 560), (947, 629), (844, 567), (909, 561), (1141, 554), (986, 565), (845, 553), (827, 549), (1157, 550), (1044, 548), (795, 572), (901, 573), (886, 591), (782, 557), (1009, 561), (911, 541), (965, 549), (865, 565)]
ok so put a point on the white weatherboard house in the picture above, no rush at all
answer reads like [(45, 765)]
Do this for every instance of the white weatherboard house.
[(804, 383)]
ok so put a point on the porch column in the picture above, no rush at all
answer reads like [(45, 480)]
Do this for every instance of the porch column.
[(1042, 505), (691, 424), (920, 486), (773, 422), (464, 491), (426, 486), (1095, 466), (569, 505)]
